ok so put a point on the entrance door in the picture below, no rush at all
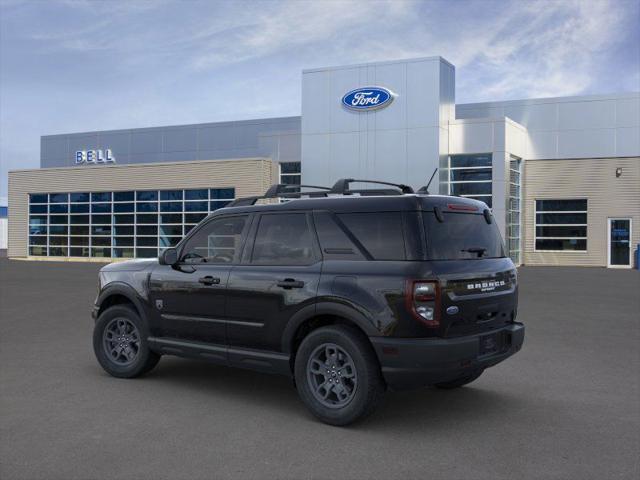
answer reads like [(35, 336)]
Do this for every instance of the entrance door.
[(619, 243)]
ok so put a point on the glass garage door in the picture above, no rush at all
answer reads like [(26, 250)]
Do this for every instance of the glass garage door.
[(122, 224)]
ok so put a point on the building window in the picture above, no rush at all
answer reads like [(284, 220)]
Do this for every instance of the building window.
[(561, 225), (117, 224), (513, 213), (470, 176), (290, 173)]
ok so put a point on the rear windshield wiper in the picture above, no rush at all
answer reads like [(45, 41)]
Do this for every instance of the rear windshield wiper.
[(479, 250)]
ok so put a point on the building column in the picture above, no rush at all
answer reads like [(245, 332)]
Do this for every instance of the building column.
[(500, 189)]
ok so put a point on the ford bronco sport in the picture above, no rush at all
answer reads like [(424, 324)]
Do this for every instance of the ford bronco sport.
[(349, 292)]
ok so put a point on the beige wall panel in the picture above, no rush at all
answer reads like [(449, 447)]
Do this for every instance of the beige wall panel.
[(248, 176), (593, 179)]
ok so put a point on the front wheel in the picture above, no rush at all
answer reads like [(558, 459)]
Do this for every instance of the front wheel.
[(120, 343), (337, 375)]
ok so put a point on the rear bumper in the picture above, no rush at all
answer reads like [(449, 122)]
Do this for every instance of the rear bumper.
[(415, 362)]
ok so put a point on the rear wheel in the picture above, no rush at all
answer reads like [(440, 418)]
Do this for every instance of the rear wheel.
[(337, 375), (120, 343), (459, 382)]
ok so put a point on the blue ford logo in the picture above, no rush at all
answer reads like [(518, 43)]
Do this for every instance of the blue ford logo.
[(368, 98), (453, 310)]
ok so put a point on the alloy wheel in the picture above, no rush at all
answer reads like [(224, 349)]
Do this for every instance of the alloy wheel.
[(332, 376), (121, 340)]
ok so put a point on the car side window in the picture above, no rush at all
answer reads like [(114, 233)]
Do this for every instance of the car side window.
[(381, 234), (283, 239), (217, 242), (335, 243)]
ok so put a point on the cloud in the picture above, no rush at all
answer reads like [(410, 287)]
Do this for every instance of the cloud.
[(546, 47), (289, 26), (89, 65), (549, 48), (501, 49)]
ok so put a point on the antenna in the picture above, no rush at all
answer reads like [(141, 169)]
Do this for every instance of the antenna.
[(425, 190)]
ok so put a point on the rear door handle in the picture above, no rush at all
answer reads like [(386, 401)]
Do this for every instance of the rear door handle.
[(209, 280), (288, 283)]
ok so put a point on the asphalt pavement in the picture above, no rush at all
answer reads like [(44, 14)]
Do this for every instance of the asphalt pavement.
[(566, 407)]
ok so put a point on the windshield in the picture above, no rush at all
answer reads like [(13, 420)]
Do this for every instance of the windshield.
[(462, 236)]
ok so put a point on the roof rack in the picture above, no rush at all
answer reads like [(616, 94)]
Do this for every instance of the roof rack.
[(281, 190), (341, 187)]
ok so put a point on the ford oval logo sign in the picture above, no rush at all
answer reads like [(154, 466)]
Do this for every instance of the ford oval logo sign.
[(368, 98)]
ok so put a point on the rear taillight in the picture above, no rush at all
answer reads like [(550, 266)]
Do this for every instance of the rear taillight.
[(423, 301)]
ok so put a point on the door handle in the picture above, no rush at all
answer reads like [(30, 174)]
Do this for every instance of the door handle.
[(209, 280), (288, 283)]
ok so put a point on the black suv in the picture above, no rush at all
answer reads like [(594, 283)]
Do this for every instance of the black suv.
[(349, 292)]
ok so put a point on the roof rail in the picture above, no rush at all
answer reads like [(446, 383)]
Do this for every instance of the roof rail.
[(280, 190), (342, 187), (370, 192)]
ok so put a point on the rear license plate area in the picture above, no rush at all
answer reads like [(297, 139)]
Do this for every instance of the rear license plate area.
[(489, 344)]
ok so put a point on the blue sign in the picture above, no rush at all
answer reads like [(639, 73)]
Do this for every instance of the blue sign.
[(94, 156), (368, 98)]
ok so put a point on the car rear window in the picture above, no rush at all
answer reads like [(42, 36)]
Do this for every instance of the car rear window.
[(380, 233), (461, 236)]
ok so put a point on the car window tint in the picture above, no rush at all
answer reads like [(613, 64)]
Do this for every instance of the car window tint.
[(381, 234), (334, 242), (462, 236), (216, 242), (283, 240)]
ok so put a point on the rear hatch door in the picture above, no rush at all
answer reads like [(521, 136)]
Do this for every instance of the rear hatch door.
[(478, 284)]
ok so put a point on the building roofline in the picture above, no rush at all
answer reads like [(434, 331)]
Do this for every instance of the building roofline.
[(184, 126), (533, 101), (386, 62), (146, 164)]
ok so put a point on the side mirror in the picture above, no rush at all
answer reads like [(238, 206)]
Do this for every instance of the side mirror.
[(169, 257)]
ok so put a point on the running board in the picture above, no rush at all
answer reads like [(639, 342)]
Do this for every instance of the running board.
[(263, 361)]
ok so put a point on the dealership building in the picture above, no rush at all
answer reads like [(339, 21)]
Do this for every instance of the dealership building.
[(561, 175)]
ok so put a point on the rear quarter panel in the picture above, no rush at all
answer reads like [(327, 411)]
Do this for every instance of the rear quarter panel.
[(376, 290)]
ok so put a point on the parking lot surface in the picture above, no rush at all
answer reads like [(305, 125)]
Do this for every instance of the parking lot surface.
[(566, 407)]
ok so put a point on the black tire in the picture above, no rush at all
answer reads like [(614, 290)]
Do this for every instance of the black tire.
[(138, 359), (459, 382), (366, 388)]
